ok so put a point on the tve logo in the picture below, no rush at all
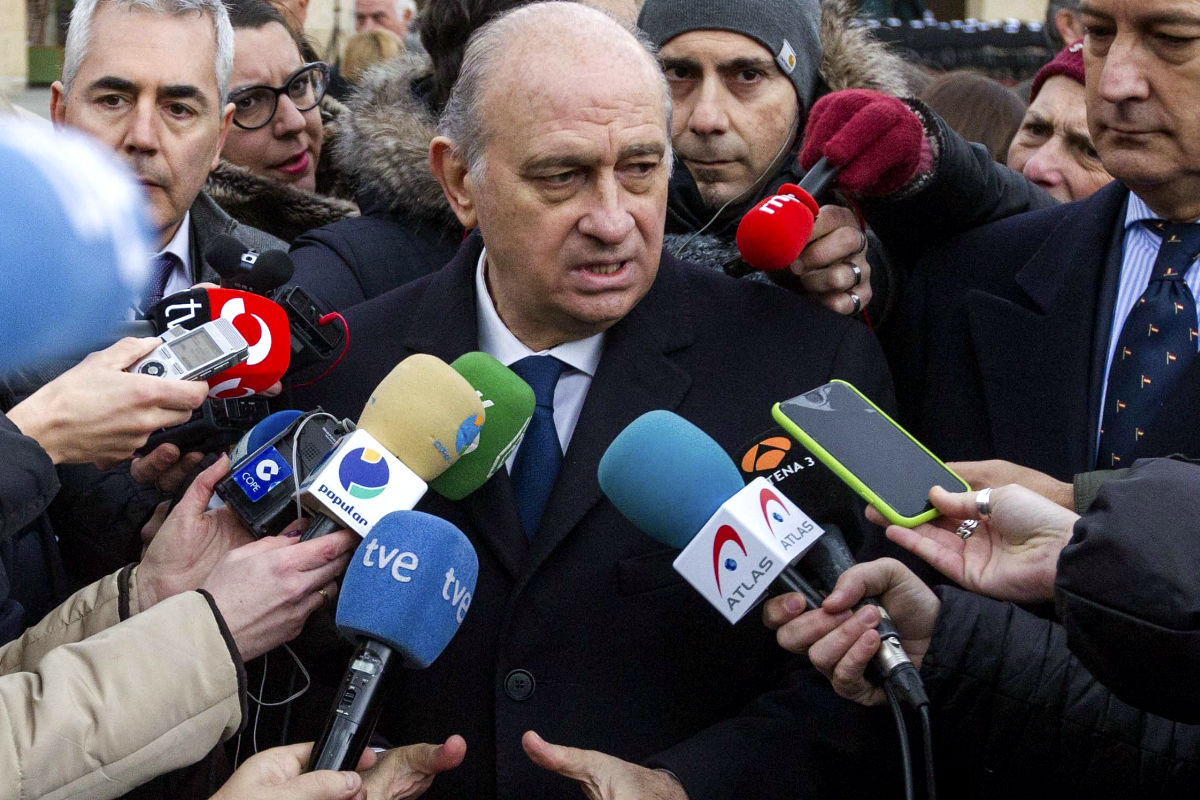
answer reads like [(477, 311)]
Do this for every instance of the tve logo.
[(458, 594), (257, 477), (363, 473), (403, 564)]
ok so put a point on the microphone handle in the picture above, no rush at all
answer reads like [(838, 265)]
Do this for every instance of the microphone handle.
[(820, 178), (320, 525), (352, 721)]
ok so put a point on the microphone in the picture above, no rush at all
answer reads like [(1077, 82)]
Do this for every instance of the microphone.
[(715, 517), (508, 402), (248, 270), (405, 594), (417, 423), (261, 321), (773, 233), (268, 428)]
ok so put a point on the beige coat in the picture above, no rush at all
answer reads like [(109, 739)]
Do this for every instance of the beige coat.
[(91, 706)]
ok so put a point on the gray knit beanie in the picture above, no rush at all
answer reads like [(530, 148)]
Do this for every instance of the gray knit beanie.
[(790, 29)]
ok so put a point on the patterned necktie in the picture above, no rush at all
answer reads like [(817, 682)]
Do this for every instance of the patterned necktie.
[(540, 455), (160, 274), (1156, 344)]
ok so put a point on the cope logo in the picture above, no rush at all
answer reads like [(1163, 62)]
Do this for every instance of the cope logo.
[(766, 455), (363, 473), (725, 535)]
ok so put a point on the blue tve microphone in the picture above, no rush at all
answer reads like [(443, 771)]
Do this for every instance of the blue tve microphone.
[(738, 539), (404, 596)]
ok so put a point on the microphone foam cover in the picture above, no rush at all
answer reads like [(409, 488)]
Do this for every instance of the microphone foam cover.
[(224, 255), (409, 585), (264, 324), (667, 476), (267, 429), (508, 402), (273, 269), (772, 234), (425, 414)]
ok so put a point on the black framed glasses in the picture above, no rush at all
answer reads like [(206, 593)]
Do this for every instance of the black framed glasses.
[(254, 106)]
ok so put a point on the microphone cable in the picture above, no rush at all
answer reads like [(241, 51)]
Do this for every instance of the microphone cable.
[(902, 734)]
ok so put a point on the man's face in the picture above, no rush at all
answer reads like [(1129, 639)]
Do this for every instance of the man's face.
[(148, 89), (372, 14), (572, 196), (735, 111), (1142, 61), (1053, 148)]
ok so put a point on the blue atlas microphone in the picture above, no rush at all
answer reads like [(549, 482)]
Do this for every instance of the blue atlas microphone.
[(738, 539), (404, 596)]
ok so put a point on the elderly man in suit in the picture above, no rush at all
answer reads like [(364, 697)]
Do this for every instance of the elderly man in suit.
[(555, 147), (1065, 339)]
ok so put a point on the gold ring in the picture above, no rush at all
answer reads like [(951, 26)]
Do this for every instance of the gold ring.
[(324, 596)]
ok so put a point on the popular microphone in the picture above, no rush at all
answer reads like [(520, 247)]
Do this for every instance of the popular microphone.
[(508, 402), (737, 538), (417, 423), (249, 270), (261, 321), (405, 594)]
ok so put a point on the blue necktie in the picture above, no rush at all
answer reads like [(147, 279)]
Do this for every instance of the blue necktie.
[(540, 456), (1157, 343), (160, 274)]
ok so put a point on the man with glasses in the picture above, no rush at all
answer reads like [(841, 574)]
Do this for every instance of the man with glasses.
[(148, 78)]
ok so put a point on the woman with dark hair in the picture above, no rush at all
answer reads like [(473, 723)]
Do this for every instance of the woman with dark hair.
[(979, 108)]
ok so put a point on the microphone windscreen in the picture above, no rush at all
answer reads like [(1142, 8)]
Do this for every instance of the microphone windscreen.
[(264, 325), (409, 585), (508, 402), (267, 429), (274, 269), (425, 414), (224, 255), (774, 232), (667, 476)]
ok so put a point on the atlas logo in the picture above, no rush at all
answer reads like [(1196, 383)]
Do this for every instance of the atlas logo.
[(363, 473), (725, 534), (745, 588), (780, 521)]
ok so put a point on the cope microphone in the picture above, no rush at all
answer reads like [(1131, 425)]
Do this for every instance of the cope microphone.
[(737, 539), (772, 234), (508, 402), (405, 594), (246, 269), (261, 321), (417, 423)]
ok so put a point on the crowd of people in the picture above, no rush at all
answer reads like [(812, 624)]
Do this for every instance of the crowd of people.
[(560, 185)]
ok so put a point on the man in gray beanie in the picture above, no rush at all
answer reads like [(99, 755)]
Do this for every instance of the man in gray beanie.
[(743, 74)]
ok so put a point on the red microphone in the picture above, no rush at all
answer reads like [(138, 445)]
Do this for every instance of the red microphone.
[(772, 234), (262, 322)]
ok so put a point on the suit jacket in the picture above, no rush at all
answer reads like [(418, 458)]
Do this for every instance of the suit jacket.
[(624, 657), (1001, 348), (208, 221)]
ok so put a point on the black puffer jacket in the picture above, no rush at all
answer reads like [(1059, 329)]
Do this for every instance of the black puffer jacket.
[(1017, 716)]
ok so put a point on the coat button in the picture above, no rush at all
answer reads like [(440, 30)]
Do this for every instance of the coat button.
[(519, 684)]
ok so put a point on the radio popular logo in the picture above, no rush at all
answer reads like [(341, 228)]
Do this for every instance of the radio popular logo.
[(363, 473)]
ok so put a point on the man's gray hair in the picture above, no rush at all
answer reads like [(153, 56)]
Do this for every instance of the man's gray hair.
[(79, 34), (1051, 30), (462, 119)]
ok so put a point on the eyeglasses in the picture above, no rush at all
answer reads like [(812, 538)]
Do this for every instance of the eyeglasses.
[(254, 106)]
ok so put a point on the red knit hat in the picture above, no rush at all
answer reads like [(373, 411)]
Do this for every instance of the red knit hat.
[(1068, 62)]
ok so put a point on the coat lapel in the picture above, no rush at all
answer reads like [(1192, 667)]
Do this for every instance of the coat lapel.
[(1037, 354)]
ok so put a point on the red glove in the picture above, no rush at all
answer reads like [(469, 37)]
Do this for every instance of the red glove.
[(875, 140)]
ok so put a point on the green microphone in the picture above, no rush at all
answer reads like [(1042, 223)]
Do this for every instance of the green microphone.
[(508, 404)]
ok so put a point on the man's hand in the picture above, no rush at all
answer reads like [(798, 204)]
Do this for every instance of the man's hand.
[(995, 473), (1012, 554), (268, 588), (407, 772), (164, 467), (182, 552), (841, 642), (826, 265), (276, 774), (601, 776), (95, 412)]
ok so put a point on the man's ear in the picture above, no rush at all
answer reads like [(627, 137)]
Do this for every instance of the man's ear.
[(451, 172), (226, 123), (58, 104)]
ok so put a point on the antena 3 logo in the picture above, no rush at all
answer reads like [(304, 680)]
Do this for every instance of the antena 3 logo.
[(363, 473), (773, 459)]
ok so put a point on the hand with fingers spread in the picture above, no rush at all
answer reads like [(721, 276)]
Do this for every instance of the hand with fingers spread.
[(834, 262), (1013, 552), (96, 412), (840, 641), (996, 473), (407, 772), (601, 776), (278, 774)]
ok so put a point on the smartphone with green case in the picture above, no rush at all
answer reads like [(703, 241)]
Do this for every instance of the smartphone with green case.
[(864, 447)]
